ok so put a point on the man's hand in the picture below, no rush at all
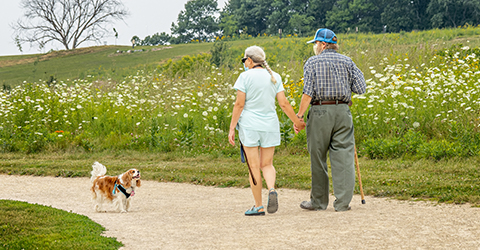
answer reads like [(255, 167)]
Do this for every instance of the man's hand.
[(300, 126)]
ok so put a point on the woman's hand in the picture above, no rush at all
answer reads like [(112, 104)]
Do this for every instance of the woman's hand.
[(298, 127), (231, 137), (237, 111)]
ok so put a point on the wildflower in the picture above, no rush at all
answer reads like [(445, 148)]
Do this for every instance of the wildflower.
[(200, 94), (138, 123), (416, 124), (185, 115)]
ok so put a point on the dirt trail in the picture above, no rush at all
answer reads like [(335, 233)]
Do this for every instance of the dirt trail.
[(184, 216)]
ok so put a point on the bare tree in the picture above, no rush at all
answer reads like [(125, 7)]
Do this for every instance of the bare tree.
[(70, 22)]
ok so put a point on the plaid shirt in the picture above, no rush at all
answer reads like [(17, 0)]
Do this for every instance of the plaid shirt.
[(332, 76)]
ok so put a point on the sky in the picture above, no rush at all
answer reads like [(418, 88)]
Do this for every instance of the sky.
[(147, 17)]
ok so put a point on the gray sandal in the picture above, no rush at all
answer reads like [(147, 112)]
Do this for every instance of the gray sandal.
[(272, 205)]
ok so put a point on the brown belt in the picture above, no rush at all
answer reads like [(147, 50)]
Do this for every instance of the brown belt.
[(329, 102)]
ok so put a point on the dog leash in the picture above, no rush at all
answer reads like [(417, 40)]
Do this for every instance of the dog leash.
[(242, 155)]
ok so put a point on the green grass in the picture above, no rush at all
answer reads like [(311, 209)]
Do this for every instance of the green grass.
[(92, 60), (446, 181), (31, 226)]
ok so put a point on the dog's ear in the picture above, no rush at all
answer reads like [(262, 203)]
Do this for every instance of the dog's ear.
[(127, 178), (139, 183)]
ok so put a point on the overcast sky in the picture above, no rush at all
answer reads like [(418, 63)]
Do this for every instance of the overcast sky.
[(147, 17)]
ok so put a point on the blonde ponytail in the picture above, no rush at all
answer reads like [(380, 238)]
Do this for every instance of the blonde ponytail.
[(270, 71)]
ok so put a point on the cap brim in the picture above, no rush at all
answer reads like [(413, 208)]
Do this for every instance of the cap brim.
[(311, 41)]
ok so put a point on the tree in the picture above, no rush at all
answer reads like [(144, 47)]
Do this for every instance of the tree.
[(300, 24), (196, 22), (70, 22), (318, 9), (339, 19), (364, 14), (278, 17), (156, 39), (398, 16), (250, 16), (454, 13), (228, 25), (137, 40)]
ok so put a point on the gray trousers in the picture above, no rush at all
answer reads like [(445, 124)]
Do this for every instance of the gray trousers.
[(330, 129)]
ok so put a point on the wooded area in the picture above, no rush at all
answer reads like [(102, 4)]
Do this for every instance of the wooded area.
[(202, 20)]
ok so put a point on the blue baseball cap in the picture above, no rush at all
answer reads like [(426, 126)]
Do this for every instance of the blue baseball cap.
[(324, 35)]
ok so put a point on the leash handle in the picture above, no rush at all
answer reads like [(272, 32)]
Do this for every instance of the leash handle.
[(242, 153)]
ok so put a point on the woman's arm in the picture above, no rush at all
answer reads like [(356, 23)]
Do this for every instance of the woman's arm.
[(237, 111), (288, 110)]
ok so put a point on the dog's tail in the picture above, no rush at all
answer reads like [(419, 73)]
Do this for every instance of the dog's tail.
[(98, 170)]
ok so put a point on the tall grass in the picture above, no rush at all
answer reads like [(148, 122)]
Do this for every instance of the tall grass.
[(422, 100)]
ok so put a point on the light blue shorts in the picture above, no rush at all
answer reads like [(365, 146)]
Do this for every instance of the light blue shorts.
[(251, 138)]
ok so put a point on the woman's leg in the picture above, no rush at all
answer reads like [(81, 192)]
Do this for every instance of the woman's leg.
[(266, 165), (254, 162)]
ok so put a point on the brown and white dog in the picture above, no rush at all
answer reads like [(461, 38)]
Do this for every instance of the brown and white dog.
[(117, 189)]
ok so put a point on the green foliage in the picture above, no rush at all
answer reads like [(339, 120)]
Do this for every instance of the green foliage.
[(154, 40), (30, 226), (196, 22), (345, 16), (447, 13), (185, 65)]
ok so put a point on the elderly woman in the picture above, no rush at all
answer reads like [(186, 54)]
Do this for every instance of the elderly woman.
[(255, 117)]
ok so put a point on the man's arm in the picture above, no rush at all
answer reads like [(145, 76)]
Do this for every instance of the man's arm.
[(358, 85), (304, 103)]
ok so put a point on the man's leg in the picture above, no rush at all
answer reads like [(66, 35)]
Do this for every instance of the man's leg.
[(342, 158), (318, 139)]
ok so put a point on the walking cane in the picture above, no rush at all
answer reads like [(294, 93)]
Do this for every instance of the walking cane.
[(242, 154), (359, 176)]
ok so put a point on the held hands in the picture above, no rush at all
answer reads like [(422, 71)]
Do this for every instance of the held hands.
[(298, 127)]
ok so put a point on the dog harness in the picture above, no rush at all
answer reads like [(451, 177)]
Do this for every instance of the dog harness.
[(122, 189)]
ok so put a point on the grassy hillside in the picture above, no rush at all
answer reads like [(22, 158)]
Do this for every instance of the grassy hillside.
[(101, 61), (105, 62), (83, 61)]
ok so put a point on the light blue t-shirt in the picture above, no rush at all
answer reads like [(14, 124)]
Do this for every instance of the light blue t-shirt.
[(259, 113)]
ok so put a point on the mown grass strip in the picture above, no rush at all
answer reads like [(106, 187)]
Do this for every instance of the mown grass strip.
[(447, 181), (32, 226)]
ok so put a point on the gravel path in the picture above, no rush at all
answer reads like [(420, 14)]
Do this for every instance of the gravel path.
[(184, 216)]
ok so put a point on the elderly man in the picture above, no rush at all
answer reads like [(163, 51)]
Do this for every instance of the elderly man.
[(329, 80)]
